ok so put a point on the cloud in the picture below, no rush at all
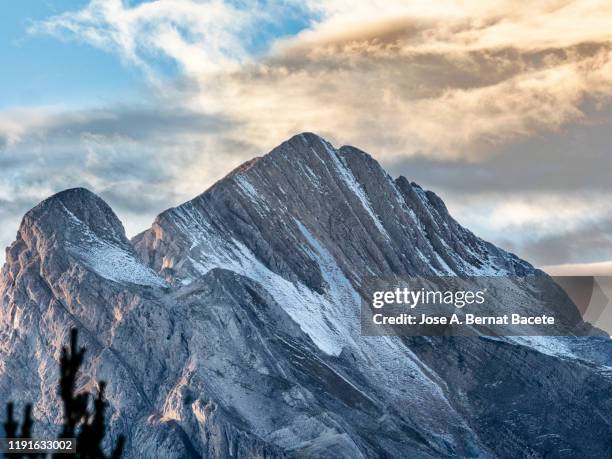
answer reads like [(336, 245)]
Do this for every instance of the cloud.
[(117, 146), (200, 36), (543, 228), (153, 121), (453, 79), (580, 269), (418, 83), (138, 32), (587, 243), (503, 107), (457, 24), (574, 160), (448, 82)]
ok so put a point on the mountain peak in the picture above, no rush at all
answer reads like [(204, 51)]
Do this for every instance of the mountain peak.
[(73, 199), (307, 138), (76, 227), (74, 209), (297, 148), (305, 150), (300, 146), (338, 204)]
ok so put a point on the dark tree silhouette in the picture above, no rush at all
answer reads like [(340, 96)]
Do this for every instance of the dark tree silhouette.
[(10, 427), (88, 428)]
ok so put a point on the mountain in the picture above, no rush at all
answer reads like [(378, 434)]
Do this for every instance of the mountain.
[(231, 328)]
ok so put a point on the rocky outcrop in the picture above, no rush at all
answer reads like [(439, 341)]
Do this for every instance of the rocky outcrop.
[(230, 328)]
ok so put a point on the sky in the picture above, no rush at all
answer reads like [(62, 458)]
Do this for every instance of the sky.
[(503, 108)]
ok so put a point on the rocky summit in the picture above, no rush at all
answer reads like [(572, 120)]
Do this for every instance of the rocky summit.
[(231, 327)]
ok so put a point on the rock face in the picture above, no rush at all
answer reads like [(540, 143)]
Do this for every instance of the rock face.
[(231, 327)]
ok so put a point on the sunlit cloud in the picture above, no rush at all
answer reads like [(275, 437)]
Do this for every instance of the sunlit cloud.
[(450, 79)]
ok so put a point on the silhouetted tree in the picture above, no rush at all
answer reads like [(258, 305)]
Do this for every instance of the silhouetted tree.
[(10, 427), (88, 428)]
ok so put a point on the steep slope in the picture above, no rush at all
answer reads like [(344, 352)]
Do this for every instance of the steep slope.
[(231, 327)]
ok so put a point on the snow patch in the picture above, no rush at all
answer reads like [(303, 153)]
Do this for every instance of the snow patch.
[(247, 187), (251, 192), (350, 181), (108, 259), (114, 263)]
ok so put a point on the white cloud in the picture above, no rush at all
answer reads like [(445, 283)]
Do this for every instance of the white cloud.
[(447, 79), (200, 36), (529, 215)]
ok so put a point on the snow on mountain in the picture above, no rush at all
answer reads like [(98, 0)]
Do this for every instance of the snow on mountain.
[(113, 261)]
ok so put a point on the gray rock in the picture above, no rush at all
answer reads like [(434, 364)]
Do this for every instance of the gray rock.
[(231, 327)]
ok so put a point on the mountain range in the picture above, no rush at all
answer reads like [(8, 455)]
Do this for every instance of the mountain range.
[(231, 327)]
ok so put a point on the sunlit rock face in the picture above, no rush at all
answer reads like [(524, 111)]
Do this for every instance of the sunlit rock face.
[(231, 327)]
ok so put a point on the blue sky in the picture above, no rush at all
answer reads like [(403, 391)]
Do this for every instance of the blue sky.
[(503, 108), (41, 71), (38, 70)]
